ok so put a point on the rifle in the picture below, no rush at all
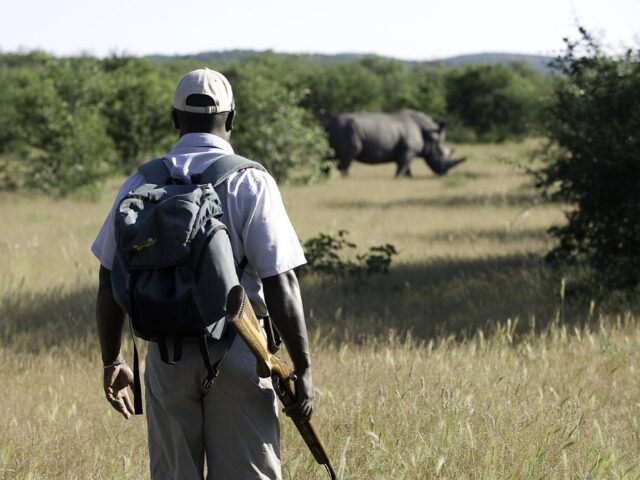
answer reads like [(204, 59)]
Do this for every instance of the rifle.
[(241, 315)]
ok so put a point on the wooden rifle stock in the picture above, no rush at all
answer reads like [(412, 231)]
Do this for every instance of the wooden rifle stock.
[(242, 317)]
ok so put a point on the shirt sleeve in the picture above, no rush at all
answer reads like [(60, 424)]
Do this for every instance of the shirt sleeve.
[(104, 246), (268, 237)]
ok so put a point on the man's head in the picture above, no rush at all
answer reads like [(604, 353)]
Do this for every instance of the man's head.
[(203, 103)]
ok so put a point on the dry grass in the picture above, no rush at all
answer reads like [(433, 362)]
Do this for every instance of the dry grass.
[(456, 365), (465, 215)]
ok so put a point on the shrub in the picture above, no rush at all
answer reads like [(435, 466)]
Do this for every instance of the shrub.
[(323, 255), (593, 161)]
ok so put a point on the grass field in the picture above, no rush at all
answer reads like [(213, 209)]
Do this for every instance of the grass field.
[(467, 361)]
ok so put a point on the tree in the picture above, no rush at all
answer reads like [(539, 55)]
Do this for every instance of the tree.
[(430, 90), (397, 88), (593, 161), (496, 101), (346, 87), (273, 129), (137, 110), (59, 145)]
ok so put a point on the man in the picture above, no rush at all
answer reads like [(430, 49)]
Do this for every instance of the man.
[(234, 424)]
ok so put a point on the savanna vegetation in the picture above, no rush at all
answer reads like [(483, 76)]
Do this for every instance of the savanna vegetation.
[(471, 357), (467, 360), (68, 123), (593, 161)]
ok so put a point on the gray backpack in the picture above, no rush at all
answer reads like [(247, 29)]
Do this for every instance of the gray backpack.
[(174, 265)]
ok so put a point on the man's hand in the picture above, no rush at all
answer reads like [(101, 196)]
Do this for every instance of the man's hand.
[(302, 409), (116, 380), (110, 322)]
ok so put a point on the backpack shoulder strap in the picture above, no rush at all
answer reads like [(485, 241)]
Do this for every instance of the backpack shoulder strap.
[(219, 171), (155, 171)]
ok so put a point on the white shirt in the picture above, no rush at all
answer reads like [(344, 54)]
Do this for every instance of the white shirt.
[(252, 207)]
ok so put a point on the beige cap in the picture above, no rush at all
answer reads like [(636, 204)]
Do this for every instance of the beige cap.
[(204, 82)]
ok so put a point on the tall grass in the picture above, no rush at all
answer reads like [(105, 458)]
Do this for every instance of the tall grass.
[(466, 361)]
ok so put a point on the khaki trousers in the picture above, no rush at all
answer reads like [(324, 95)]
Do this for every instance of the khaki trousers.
[(233, 425)]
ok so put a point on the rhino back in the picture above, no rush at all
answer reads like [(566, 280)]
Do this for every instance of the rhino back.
[(423, 120)]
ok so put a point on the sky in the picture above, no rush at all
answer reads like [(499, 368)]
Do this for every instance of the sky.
[(410, 30)]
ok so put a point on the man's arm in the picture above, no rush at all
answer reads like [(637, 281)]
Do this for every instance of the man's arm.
[(282, 295), (110, 321)]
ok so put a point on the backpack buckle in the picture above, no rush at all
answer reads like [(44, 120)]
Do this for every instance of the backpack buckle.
[(207, 382)]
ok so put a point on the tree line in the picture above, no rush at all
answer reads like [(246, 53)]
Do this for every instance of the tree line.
[(66, 123)]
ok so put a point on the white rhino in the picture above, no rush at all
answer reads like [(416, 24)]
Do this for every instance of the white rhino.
[(389, 137)]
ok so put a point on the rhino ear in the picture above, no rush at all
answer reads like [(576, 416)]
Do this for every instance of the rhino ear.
[(441, 126)]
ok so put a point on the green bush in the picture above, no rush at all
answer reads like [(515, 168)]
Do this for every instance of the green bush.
[(346, 87), (80, 160), (397, 87), (137, 110), (495, 101), (323, 255), (430, 91), (372, 84), (59, 140), (593, 161)]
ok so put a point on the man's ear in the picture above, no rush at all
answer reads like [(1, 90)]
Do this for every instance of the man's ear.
[(228, 124), (176, 120)]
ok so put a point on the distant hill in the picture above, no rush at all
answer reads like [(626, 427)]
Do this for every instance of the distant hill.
[(218, 57), (536, 62), (229, 56)]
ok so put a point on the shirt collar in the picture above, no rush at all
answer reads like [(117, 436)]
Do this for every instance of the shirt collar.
[(203, 140)]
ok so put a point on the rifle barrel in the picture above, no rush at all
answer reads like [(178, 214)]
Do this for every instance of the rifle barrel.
[(330, 471)]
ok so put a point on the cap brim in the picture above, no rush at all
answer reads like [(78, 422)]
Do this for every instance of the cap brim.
[(208, 110)]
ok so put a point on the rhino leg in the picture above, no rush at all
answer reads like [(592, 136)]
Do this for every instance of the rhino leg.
[(343, 165), (345, 155), (347, 146), (404, 164)]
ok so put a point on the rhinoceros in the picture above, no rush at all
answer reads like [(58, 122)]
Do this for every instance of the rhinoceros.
[(389, 137)]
